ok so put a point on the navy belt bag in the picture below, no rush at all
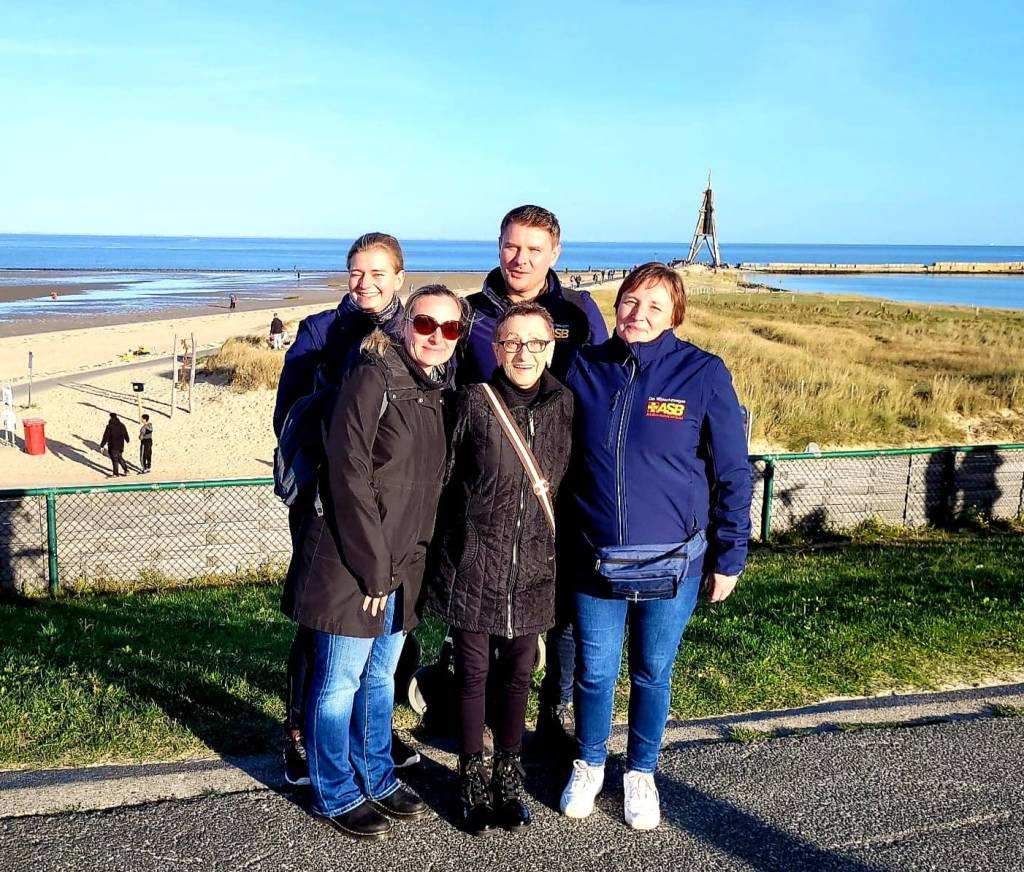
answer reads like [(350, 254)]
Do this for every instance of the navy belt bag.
[(648, 572)]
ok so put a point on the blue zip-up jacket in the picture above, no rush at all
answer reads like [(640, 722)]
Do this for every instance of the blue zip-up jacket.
[(331, 337), (578, 322), (660, 448)]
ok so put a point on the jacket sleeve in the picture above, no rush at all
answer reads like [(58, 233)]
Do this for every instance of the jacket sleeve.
[(598, 328), (351, 430), (106, 436), (726, 443), (297, 375)]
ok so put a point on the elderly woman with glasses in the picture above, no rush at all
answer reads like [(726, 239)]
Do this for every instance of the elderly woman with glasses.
[(491, 572), (355, 577)]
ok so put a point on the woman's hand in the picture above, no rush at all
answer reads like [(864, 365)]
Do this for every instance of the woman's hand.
[(719, 586), (377, 603)]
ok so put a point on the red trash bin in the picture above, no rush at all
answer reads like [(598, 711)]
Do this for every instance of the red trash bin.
[(35, 435)]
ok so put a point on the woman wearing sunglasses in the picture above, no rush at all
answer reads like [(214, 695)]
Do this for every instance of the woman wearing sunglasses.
[(492, 564), (356, 577)]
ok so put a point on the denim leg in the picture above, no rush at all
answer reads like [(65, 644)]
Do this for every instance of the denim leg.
[(373, 707), (557, 686), (338, 664), (600, 626), (655, 630)]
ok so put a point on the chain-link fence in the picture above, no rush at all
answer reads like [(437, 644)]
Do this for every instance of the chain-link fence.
[(98, 536), (838, 490), (120, 534)]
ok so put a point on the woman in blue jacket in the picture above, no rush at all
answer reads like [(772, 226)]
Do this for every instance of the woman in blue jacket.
[(662, 490)]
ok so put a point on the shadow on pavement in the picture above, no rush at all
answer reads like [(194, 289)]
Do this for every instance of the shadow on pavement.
[(745, 837)]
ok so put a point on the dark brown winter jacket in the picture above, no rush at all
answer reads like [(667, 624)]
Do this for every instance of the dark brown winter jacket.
[(491, 567), (385, 448)]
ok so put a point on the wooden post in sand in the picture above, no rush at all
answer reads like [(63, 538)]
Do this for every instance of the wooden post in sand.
[(192, 372), (174, 373)]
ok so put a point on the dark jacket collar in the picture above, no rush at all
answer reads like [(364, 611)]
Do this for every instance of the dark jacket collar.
[(495, 291), (644, 353), (550, 387)]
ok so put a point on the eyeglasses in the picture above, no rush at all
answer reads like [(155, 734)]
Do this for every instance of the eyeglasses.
[(425, 326), (534, 346)]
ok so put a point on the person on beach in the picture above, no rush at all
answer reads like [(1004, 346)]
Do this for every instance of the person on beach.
[(10, 424), (145, 445), (115, 437), (326, 346), (233, 302), (660, 477), (276, 333), (491, 573), (529, 243), (355, 578)]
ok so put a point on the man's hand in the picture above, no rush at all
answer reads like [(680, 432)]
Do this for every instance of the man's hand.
[(720, 586), (377, 603)]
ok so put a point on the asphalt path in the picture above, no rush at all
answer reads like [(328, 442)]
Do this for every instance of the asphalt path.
[(946, 796)]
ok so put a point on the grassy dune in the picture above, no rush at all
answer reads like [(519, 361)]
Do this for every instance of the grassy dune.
[(246, 363), (846, 371)]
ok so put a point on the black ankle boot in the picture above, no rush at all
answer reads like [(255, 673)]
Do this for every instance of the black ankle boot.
[(477, 810), (507, 784)]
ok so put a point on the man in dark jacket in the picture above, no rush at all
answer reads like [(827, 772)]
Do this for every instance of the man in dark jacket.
[(529, 244), (115, 437)]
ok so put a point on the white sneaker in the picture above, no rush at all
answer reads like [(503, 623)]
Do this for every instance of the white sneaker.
[(643, 811), (584, 785)]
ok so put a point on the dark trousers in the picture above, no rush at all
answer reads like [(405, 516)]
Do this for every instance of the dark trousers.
[(146, 453), (300, 674), (510, 686), (303, 650), (117, 459), (560, 666)]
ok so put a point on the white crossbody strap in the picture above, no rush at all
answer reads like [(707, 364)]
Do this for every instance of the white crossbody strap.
[(540, 485)]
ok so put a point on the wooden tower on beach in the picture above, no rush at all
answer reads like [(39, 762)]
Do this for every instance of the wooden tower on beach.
[(706, 231)]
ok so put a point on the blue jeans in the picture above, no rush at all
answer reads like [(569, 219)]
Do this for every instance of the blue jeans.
[(348, 717), (655, 630)]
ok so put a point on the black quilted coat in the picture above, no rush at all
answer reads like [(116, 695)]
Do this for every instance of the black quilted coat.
[(491, 567)]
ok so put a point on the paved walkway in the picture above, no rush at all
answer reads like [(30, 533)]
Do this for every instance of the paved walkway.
[(932, 795)]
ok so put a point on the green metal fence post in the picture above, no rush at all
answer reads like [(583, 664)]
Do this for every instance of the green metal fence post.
[(51, 540), (766, 500)]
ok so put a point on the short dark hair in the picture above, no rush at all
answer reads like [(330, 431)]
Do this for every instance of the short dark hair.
[(525, 310), (533, 216), (653, 273), (145, 417)]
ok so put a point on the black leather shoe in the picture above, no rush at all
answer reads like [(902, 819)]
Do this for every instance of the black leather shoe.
[(510, 811), (362, 822), (403, 804), (477, 810)]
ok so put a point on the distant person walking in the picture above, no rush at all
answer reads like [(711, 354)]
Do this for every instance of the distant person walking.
[(233, 302), (276, 333), (10, 424), (115, 437), (146, 444)]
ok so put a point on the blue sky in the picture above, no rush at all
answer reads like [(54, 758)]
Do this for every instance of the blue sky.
[(871, 122)]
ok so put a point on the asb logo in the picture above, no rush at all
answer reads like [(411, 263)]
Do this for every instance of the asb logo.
[(561, 331), (664, 407)]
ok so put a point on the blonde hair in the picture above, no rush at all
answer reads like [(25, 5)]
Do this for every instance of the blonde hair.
[(383, 241)]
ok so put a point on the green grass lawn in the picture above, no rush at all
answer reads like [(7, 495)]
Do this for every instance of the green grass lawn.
[(200, 670)]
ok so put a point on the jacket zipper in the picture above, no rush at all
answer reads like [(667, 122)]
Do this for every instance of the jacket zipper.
[(519, 525), (620, 461)]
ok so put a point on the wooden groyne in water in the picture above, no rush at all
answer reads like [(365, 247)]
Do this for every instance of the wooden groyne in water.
[(944, 268)]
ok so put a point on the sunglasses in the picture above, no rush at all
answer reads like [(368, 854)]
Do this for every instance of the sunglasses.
[(425, 326)]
